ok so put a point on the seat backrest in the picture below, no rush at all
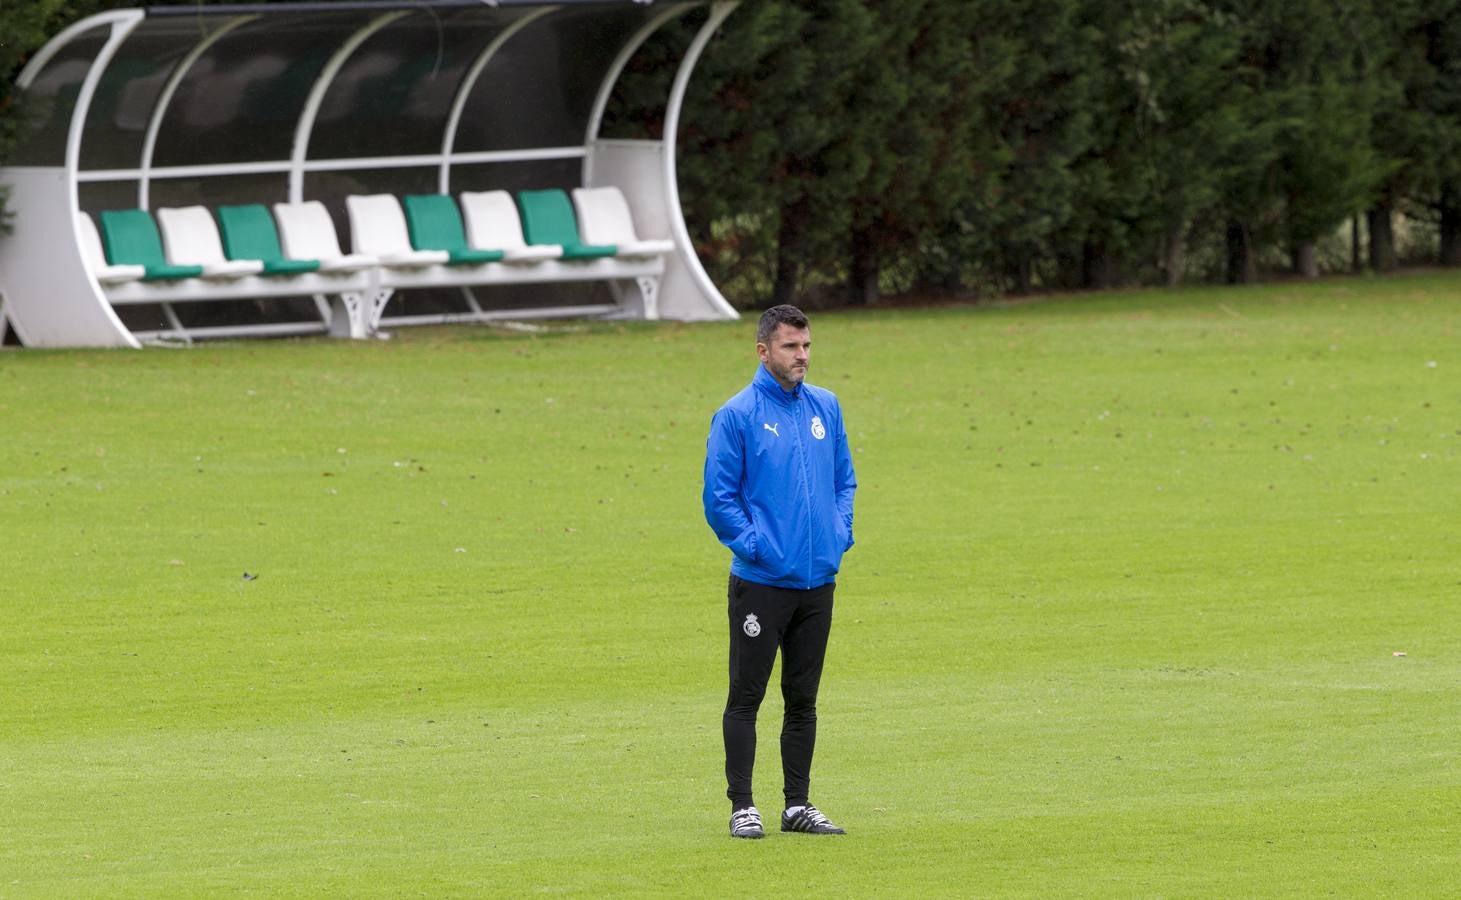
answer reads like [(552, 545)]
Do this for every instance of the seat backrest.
[(547, 217), (377, 225), (491, 220), (131, 237), (603, 216), (434, 222), (90, 241), (306, 231), (190, 236), (248, 233)]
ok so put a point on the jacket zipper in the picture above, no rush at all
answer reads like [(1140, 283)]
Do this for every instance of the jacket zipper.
[(806, 485)]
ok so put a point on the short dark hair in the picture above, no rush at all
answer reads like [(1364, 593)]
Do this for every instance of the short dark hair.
[(784, 314)]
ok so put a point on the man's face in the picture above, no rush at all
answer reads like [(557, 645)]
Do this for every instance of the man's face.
[(786, 354)]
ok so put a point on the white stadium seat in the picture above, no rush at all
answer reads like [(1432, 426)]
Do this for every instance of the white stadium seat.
[(604, 218), (306, 231)]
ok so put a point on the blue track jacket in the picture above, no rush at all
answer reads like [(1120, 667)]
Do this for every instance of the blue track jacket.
[(779, 483)]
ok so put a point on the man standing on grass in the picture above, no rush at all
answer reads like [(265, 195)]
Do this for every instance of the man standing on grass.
[(778, 493)]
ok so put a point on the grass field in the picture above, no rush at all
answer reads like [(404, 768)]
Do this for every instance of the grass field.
[(1126, 614)]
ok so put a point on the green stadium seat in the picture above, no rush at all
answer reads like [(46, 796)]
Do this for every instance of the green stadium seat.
[(96, 258), (548, 219), (435, 223), (248, 232), (131, 238)]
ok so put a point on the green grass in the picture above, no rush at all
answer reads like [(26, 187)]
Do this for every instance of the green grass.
[(1121, 620)]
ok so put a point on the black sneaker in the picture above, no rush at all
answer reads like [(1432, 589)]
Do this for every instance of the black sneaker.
[(808, 821), (746, 823)]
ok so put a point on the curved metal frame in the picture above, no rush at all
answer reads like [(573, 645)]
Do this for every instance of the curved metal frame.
[(120, 29), (616, 68), (306, 124), (102, 324), (718, 13), (464, 90), (56, 44), (164, 99)]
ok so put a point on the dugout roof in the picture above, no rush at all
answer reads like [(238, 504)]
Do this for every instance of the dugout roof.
[(288, 101)]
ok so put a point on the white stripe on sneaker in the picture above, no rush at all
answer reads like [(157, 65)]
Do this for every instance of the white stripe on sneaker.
[(746, 823)]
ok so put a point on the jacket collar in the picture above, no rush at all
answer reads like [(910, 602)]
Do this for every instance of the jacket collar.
[(767, 384)]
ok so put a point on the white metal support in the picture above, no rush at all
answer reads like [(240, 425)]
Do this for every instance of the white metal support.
[(616, 68), (322, 84), (44, 55), (375, 308), (464, 90), (52, 298), (356, 314), (177, 324), (121, 27), (159, 110), (471, 297), (649, 291), (718, 13), (322, 306), (348, 164)]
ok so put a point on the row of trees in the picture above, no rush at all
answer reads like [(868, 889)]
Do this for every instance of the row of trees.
[(960, 146), (1005, 145)]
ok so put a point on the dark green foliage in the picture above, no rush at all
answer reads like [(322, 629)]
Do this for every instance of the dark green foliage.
[(1419, 128), (997, 145), (1168, 142)]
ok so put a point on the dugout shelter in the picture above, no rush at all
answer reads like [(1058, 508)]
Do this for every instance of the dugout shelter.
[(349, 108)]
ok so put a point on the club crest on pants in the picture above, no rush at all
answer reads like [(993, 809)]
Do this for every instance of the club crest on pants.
[(751, 627)]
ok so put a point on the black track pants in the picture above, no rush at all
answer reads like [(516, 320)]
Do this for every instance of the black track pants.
[(762, 619)]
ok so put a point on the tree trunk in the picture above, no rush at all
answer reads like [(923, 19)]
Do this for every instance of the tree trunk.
[(1095, 266), (1356, 260), (1242, 267), (1174, 255), (783, 288), (1450, 226), (1382, 237), (863, 272), (1020, 275), (1306, 260)]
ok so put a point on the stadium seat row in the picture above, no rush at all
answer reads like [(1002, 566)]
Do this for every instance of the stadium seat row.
[(430, 240)]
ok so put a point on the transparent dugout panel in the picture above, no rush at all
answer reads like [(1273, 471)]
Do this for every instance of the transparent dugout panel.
[(46, 107), (242, 101), (540, 89)]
